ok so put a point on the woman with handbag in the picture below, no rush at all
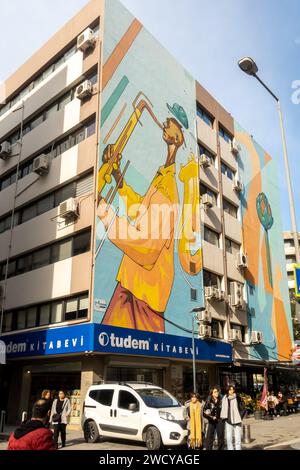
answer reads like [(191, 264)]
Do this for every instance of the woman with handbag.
[(61, 409)]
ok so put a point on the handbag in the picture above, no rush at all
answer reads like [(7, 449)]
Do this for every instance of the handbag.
[(56, 418)]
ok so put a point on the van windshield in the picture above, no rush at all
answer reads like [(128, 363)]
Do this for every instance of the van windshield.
[(157, 398)]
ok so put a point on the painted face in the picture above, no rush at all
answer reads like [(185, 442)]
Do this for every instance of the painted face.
[(172, 133)]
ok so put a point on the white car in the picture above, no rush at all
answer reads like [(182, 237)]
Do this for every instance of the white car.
[(133, 411)]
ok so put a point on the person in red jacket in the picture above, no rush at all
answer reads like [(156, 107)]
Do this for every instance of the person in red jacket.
[(33, 434)]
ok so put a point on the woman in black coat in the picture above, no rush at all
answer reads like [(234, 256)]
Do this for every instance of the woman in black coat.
[(212, 412)]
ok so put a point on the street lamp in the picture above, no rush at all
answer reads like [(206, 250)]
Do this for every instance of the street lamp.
[(194, 312), (248, 66)]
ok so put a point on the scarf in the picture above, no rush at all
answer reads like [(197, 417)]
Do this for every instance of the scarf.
[(230, 410), (196, 432)]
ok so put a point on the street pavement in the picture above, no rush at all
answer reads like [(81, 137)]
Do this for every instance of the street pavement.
[(279, 434)]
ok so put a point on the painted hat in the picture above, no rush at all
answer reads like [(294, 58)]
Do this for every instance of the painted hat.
[(179, 113)]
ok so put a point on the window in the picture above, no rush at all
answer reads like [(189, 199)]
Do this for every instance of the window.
[(21, 320), (45, 204), (52, 109), (290, 259), (289, 243), (227, 171), (71, 310), (24, 264), (36, 122), (232, 247), (81, 243), (203, 150), (7, 322), (125, 399), (78, 137), (40, 258), (217, 328), (29, 213), (90, 129), (65, 100), (291, 277), (61, 251), (56, 312), (45, 314), (83, 307), (211, 236), (240, 328), (230, 208), (205, 116), (65, 193), (31, 317), (210, 279), (205, 190), (104, 397), (225, 135)]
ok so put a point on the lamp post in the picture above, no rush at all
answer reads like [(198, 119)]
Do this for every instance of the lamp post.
[(248, 66), (194, 312)]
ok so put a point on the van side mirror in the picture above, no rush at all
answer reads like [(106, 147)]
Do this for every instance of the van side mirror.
[(133, 407)]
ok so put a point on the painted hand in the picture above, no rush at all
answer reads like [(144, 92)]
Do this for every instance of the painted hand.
[(105, 213)]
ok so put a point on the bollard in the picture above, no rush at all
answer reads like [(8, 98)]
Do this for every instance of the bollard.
[(246, 439), (2, 420), (24, 416)]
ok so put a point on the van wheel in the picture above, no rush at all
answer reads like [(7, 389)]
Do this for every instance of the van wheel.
[(91, 433), (153, 438)]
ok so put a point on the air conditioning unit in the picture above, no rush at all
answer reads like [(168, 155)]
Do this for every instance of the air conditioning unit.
[(204, 331), (204, 160), (5, 150), (242, 261), (220, 295), (68, 209), (86, 40), (41, 165), (207, 200), (236, 335), (238, 185), (235, 148), (212, 292), (236, 294), (204, 316), (85, 90), (256, 337)]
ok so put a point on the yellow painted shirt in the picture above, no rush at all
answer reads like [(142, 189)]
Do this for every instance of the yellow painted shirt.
[(147, 268)]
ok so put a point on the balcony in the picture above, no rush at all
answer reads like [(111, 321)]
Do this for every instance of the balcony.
[(233, 228), (213, 258), (61, 279)]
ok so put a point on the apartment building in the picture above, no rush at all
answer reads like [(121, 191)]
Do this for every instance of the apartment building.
[(99, 126), (290, 256)]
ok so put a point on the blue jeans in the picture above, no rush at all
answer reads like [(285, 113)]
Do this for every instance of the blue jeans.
[(236, 431)]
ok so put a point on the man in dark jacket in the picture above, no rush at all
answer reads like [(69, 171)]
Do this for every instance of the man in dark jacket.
[(33, 435)]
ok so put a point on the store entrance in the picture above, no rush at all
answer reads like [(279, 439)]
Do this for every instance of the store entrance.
[(132, 374), (69, 382)]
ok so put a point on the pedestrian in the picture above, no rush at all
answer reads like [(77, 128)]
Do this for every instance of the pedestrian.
[(232, 412), (212, 412), (61, 409), (46, 395), (272, 403), (194, 417), (33, 434), (282, 404)]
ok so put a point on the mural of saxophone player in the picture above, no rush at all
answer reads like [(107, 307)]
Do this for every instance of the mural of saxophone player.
[(146, 273)]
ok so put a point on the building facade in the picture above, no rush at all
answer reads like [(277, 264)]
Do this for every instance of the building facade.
[(131, 203)]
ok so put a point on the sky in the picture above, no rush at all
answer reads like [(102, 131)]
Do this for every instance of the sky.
[(221, 32)]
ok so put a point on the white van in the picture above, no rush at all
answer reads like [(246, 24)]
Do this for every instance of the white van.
[(133, 411)]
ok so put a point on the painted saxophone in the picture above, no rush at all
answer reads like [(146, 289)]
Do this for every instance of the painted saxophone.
[(115, 150), (189, 239)]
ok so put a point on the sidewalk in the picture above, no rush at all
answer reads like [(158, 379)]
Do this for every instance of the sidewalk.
[(277, 431), (263, 434)]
